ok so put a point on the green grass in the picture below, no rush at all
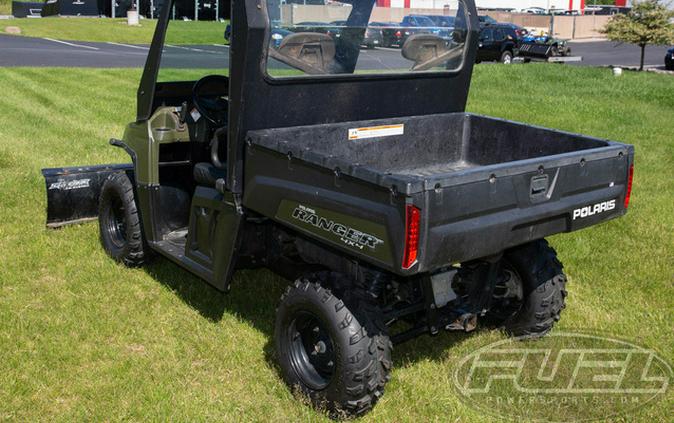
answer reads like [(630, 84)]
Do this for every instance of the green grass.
[(82, 338), (6, 7), (116, 30)]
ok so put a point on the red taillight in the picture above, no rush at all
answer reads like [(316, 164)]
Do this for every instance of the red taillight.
[(412, 218), (398, 34), (629, 186)]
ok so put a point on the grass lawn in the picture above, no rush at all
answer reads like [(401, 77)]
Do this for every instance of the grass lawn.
[(116, 30), (82, 338), (5, 7)]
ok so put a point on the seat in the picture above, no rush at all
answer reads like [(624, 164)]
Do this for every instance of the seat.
[(206, 174)]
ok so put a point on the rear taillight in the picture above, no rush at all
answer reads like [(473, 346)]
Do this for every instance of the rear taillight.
[(412, 218), (398, 34), (629, 186)]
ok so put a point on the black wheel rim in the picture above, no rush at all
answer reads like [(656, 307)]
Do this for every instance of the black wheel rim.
[(311, 350), (508, 295), (115, 226)]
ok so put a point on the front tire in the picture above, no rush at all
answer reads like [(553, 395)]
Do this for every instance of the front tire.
[(333, 350), (119, 222)]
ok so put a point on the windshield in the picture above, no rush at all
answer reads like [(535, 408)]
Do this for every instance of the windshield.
[(354, 37), (192, 50)]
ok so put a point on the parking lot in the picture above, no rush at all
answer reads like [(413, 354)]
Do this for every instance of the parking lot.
[(25, 51)]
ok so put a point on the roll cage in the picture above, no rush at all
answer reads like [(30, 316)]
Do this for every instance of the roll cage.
[(255, 98)]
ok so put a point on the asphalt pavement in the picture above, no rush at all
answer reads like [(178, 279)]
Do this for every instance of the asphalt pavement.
[(26, 51), (605, 53)]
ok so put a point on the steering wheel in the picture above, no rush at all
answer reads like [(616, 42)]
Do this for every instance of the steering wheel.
[(208, 96)]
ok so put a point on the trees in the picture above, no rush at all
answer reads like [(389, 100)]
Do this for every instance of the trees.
[(647, 23)]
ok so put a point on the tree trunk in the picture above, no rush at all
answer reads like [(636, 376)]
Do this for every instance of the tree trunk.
[(643, 52)]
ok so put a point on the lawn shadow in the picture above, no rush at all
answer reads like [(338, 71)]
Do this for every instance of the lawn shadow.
[(427, 347), (254, 296)]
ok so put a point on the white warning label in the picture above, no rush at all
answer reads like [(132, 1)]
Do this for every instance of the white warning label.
[(376, 131)]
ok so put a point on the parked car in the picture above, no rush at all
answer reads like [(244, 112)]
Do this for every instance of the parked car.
[(534, 10), (371, 39), (444, 25), (498, 43), (487, 20), (442, 21), (311, 26), (669, 59), (277, 35), (397, 34), (519, 30), (555, 11)]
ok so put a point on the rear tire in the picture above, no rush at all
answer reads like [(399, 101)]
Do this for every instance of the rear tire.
[(507, 57), (119, 222), (333, 350), (543, 288)]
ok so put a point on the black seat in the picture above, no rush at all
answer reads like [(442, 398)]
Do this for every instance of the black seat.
[(206, 174)]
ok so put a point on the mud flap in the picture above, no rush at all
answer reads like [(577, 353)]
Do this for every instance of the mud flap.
[(72, 192)]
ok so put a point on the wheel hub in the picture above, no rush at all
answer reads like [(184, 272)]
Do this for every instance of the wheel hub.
[(311, 350), (510, 286)]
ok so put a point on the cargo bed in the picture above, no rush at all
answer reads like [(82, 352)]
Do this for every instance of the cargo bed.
[(482, 184), (433, 149)]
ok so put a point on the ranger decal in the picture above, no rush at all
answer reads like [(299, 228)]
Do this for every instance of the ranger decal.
[(346, 234)]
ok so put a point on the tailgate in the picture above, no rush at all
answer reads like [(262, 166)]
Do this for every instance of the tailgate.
[(496, 207)]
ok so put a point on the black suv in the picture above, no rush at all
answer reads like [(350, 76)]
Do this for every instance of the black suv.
[(498, 42)]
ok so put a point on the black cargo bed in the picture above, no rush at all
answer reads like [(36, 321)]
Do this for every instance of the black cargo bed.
[(433, 151)]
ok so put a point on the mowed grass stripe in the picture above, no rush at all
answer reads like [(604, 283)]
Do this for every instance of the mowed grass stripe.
[(117, 30), (83, 338), (83, 118)]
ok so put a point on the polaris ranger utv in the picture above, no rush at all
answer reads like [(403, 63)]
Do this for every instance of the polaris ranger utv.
[(356, 174)]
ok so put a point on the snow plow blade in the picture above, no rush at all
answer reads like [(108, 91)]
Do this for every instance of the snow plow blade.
[(72, 192)]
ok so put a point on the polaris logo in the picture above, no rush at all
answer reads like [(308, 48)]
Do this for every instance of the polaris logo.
[(592, 210), (350, 236)]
